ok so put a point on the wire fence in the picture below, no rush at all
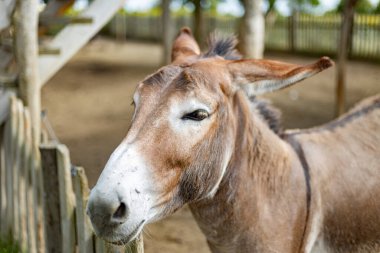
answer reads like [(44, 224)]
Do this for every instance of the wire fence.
[(301, 33)]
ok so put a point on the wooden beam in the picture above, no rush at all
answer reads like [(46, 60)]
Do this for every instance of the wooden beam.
[(54, 20), (73, 37), (48, 51)]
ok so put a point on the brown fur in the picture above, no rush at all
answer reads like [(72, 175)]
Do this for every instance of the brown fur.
[(281, 191)]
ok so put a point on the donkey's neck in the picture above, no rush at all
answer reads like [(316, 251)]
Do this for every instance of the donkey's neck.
[(260, 204)]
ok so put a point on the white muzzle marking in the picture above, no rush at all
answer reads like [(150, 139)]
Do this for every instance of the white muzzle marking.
[(126, 180)]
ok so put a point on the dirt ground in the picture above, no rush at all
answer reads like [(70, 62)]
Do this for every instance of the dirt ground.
[(89, 106)]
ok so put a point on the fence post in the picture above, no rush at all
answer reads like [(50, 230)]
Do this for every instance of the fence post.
[(30, 191), (66, 198), (9, 164), (4, 147), (84, 232), (120, 26), (57, 180), (18, 182), (23, 183), (292, 31), (2, 179), (52, 210)]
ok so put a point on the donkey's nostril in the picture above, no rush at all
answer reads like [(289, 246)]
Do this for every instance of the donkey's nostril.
[(120, 214)]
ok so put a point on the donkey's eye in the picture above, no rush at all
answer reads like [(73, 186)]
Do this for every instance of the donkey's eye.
[(197, 115)]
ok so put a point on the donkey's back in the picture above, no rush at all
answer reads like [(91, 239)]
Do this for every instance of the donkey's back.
[(344, 160)]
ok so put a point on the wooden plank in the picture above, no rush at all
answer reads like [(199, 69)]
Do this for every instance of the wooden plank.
[(39, 198), (2, 180), (83, 226), (100, 245), (23, 177), (52, 199), (48, 51), (30, 190), (9, 164), (4, 105), (73, 37), (66, 198), (5, 178), (120, 27), (48, 20), (18, 163)]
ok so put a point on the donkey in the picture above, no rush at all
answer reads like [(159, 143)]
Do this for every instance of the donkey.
[(199, 137)]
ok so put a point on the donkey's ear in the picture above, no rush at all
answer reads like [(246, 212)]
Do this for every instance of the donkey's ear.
[(261, 76), (184, 45)]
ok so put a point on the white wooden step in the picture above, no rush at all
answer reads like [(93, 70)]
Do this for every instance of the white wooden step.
[(73, 37)]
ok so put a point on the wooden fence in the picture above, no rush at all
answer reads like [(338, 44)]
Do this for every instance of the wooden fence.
[(42, 196), (20, 211), (301, 33)]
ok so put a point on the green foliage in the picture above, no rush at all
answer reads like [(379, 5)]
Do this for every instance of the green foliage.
[(377, 9), (207, 5), (8, 247), (303, 5), (362, 6), (271, 4)]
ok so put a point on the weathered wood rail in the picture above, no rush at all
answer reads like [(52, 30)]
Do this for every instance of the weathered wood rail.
[(42, 196), (20, 212)]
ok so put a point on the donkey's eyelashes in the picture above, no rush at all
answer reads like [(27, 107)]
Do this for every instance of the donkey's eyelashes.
[(196, 115)]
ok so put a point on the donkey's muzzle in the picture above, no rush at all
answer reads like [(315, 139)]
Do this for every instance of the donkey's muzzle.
[(106, 212)]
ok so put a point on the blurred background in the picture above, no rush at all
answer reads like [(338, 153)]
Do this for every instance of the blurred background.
[(88, 101)]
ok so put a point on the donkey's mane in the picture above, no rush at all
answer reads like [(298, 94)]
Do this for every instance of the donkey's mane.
[(222, 46), (226, 47), (270, 114)]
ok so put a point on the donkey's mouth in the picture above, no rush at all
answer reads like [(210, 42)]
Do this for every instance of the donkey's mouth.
[(135, 232)]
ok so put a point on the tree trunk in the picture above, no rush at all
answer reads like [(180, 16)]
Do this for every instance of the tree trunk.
[(198, 22), (26, 51), (252, 33), (293, 30), (26, 27), (347, 22), (166, 31)]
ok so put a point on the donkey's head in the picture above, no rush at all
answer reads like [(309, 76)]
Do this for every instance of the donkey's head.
[(182, 134)]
